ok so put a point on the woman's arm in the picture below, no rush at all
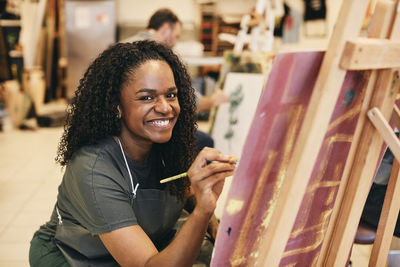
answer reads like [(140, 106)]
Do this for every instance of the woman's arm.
[(213, 223), (208, 102), (130, 246)]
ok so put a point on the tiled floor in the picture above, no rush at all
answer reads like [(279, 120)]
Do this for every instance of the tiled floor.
[(29, 179)]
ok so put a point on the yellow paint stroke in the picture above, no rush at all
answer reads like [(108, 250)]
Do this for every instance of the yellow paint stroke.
[(309, 197), (328, 201), (322, 167), (321, 173), (301, 229), (318, 240), (316, 185), (322, 185), (238, 261), (330, 198), (338, 169), (234, 206), (397, 96), (254, 254), (312, 264), (348, 115), (294, 234), (288, 147), (239, 253)]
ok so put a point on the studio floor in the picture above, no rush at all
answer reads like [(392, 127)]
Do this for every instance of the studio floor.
[(29, 179)]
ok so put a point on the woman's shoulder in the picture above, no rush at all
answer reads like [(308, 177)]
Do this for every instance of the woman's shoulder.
[(100, 162), (102, 152)]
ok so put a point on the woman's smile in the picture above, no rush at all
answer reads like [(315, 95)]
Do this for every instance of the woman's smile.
[(161, 123)]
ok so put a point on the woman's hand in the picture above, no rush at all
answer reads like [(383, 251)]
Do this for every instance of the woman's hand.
[(207, 180)]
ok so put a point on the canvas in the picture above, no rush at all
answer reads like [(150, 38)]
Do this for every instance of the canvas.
[(233, 119), (266, 156)]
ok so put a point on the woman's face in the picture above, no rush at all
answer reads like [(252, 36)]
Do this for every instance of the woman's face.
[(149, 103)]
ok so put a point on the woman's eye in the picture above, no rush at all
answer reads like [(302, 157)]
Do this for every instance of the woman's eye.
[(146, 98), (172, 95)]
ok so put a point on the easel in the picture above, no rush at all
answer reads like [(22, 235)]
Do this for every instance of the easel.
[(378, 104), (345, 52), (364, 154)]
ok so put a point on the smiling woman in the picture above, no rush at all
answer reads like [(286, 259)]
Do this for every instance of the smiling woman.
[(149, 106), (131, 124)]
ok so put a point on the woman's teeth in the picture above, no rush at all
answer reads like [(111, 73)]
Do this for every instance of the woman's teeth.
[(160, 122)]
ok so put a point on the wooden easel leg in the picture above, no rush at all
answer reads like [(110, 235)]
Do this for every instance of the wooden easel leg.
[(387, 223)]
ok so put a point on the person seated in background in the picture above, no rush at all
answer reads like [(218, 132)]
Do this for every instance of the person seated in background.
[(131, 123), (165, 27)]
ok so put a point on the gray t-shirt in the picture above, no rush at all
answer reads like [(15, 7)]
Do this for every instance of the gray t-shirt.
[(96, 193)]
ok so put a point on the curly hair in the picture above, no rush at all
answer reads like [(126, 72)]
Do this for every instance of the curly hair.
[(92, 113)]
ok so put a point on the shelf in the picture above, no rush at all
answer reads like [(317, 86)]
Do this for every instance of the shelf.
[(211, 26)]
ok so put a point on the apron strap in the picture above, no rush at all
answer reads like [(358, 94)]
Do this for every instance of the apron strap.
[(134, 188)]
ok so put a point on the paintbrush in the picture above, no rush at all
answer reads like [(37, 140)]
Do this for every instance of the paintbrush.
[(232, 160)]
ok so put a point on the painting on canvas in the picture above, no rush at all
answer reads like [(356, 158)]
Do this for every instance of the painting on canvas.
[(267, 153), (233, 119)]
